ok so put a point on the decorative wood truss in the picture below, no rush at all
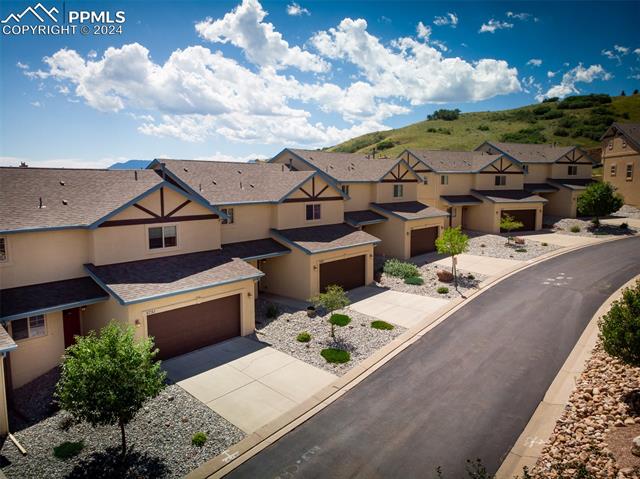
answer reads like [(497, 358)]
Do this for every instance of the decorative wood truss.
[(501, 168), (314, 195), (573, 158), (397, 176), (159, 218), (418, 166)]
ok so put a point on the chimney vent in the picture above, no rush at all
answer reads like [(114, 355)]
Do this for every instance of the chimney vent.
[(40, 205), (65, 202), (61, 182), (241, 185), (282, 167), (185, 170), (214, 182), (200, 187), (135, 175)]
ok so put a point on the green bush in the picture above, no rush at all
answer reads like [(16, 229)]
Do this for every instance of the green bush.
[(525, 135), (568, 122), (198, 439), (545, 244), (624, 226), (620, 327), (599, 199), (552, 115), (303, 337), (414, 280), (470, 276), (272, 311), (339, 319), (583, 101), (575, 229), (521, 250), (483, 127), (382, 325), (561, 132), (444, 114), (400, 269), (333, 298), (385, 145), (333, 355), (67, 449), (553, 99), (443, 290), (541, 110)]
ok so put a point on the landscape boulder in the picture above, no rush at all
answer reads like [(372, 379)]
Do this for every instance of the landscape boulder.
[(444, 276)]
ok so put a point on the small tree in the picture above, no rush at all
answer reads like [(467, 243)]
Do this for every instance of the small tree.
[(620, 327), (106, 378), (332, 299), (509, 223), (453, 242), (599, 199)]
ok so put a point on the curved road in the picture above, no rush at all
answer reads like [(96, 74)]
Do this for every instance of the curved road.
[(467, 388)]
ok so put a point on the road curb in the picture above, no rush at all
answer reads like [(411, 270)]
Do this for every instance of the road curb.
[(528, 447), (251, 445)]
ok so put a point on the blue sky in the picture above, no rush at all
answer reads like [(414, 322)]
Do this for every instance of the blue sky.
[(236, 80)]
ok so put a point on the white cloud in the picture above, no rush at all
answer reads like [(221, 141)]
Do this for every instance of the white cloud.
[(551, 74), (441, 45), (519, 16), (22, 66), (637, 51), (296, 10), (534, 62), (448, 19), (578, 74), (621, 50), (63, 89), (37, 104), (634, 77), (492, 25), (261, 43), (616, 53), (424, 31), (92, 54)]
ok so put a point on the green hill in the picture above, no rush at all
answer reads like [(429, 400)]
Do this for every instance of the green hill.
[(577, 120)]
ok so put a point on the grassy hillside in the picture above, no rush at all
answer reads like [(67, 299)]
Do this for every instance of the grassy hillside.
[(577, 120)]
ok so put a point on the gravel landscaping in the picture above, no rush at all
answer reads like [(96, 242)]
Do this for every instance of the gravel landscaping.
[(628, 211), (565, 225), (159, 438), (496, 247), (358, 337), (594, 432)]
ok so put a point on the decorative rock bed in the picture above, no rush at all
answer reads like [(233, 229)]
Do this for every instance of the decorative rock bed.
[(358, 337), (159, 439), (565, 225), (496, 246), (628, 211), (595, 431)]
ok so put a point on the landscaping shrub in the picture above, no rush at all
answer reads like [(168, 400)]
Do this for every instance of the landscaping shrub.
[(624, 226), (414, 280), (333, 298), (198, 439), (508, 223), (333, 355), (443, 290), (545, 244), (620, 327), (470, 276), (400, 269), (339, 319), (303, 337), (599, 199), (67, 449), (382, 325), (521, 250), (575, 229), (272, 311), (452, 242)]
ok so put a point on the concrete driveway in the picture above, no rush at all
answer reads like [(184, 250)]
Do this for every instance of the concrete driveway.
[(246, 382), (403, 309), (486, 265)]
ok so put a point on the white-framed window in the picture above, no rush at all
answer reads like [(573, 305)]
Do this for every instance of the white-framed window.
[(610, 145), (572, 170), (4, 251), (26, 328), (162, 237), (345, 189), (613, 170), (624, 143), (629, 173), (398, 191), (525, 169), (500, 180), (229, 213), (314, 212), (444, 179)]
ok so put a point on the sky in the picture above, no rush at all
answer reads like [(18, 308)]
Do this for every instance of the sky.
[(244, 79)]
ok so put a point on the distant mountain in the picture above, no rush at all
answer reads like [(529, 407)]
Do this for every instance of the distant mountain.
[(130, 165), (578, 120)]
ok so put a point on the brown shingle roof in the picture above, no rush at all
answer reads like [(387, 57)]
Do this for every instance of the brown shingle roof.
[(409, 210), (532, 153), (221, 182), (572, 183), (510, 196), (461, 199), (89, 195), (255, 249), (444, 161), (363, 217), (6, 343), (41, 298), (319, 239), (631, 131), (138, 281), (345, 167)]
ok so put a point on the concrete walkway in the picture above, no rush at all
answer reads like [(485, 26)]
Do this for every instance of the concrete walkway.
[(634, 222), (486, 265), (246, 382)]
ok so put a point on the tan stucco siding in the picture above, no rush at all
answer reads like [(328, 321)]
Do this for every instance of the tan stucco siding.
[(384, 192), (620, 156), (563, 202), (459, 184), (4, 413), (250, 222), (46, 256), (561, 170), (98, 315), (485, 181), (538, 173), (360, 195), (484, 217), (426, 190), (293, 215), (396, 234)]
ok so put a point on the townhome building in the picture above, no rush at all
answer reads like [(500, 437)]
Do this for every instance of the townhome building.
[(557, 173), (476, 188), (621, 160), (381, 198)]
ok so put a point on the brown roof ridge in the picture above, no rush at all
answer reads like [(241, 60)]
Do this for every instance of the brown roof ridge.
[(62, 168)]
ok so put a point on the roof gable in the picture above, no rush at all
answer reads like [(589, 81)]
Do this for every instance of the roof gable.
[(631, 132), (448, 161), (530, 153)]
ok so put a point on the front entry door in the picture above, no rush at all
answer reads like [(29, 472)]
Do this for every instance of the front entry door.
[(71, 325)]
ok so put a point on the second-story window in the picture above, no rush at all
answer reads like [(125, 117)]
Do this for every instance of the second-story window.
[(572, 170), (398, 191), (629, 172), (444, 179), (345, 189), (163, 237), (313, 212), (501, 180), (229, 213), (3, 250), (525, 169), (613, 170)]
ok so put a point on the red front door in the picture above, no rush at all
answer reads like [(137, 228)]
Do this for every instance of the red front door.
[(71, 323)]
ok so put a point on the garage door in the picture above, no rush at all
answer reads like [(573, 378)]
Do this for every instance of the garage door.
[(423, 240), (185, 329), (526, 217), (348, 273)]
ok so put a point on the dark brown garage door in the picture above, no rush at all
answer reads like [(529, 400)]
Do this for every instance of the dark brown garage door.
[(423, 240), (526, 217), (185, 329), (348, 273)]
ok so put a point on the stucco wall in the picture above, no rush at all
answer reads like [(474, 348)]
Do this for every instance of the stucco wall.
[(488, 182), (384, 192), (293, 215), (360, 195), (562, 171), (396, 234), (250, 222), (620, 156), (562, 203), (538, 173), (459, 184)]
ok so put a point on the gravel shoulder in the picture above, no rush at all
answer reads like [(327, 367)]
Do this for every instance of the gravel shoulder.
[(586, 228), (358, 337), (159, 438), (496, 246), (592, 433)]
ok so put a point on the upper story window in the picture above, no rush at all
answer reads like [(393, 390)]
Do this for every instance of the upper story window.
[(398, 191), (624, 143), (525, 169), (345, 189), (572, 170), (500, 180), (610, 145), (3, 250), (313, 212), (163, 237), (629, 175), (26, 328), (444, 179), (229, 213), (613, 170)]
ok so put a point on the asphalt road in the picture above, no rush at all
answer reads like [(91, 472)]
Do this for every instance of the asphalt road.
[(465, 390)]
